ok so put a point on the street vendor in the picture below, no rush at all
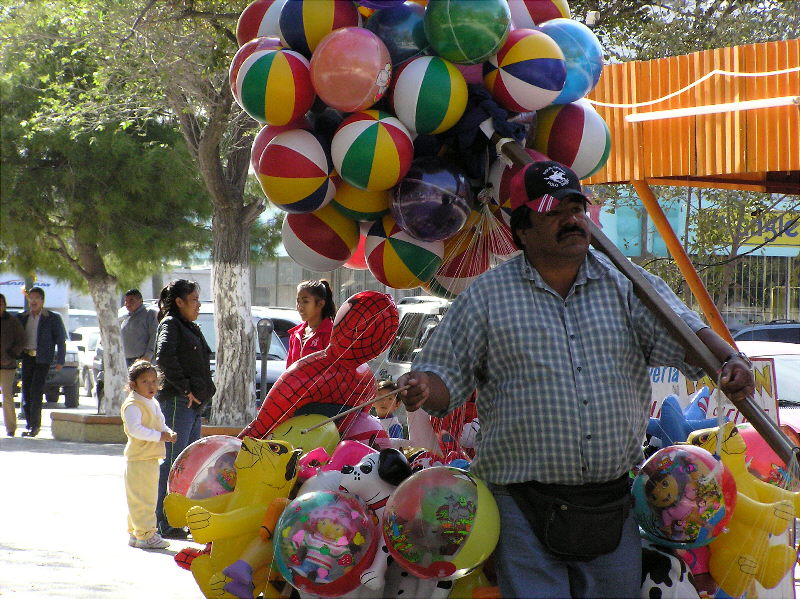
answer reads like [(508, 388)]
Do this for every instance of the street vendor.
[(559, 346)]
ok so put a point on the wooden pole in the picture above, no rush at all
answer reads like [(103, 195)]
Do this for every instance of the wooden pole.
[(355, 408), (769, 430), (707, 305)]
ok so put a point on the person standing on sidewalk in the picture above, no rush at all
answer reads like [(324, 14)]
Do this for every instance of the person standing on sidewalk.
[(184, 359), (45, 339), (147, 433), (559, 345), (139, 327), (12, 342)]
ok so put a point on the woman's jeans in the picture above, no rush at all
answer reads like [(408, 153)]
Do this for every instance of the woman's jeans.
[(186, 422)]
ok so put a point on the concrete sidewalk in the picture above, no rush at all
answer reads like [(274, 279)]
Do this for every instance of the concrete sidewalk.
[(63, 531)]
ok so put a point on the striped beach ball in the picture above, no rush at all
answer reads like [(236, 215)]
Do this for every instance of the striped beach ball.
[(267, 134), (500, 175), (274, 86), (529, 13), (528, 73), (320, 241), (466, 255), (372, 150), (254, 45), (259, 19), (399, 260), (429, 95), (360, 204), (303, 23), (295, 172), (574, 135)]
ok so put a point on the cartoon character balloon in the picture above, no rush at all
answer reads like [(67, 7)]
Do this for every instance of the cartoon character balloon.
[(336, 377)]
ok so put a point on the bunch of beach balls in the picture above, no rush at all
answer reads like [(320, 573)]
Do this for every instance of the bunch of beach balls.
[(348, 90)]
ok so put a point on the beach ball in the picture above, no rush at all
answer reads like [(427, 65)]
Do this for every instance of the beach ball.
[(378, 4), (432, 202), (500, 175), (583, 55), (267, 134), (528, 72), (259, 19), (274, 86), (303, 23), (205, 468), (574, 135), (429, 95), (321, 241), (295, 171), (358, 261), (467, 31), (401, 27), (683, 497), (763, 462), (351, 69), (526, 14), (399, 260), (247, 49), (361, 204), (441, 522), (372, 150), (323, 541)]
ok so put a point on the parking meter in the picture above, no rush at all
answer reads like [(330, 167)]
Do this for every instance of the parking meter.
[(264, 329)]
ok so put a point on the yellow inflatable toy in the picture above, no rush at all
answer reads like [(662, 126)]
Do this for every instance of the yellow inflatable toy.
[(266, 472), (743, 555), (291, 431)]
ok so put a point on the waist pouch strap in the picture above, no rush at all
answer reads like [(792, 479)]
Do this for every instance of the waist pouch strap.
[(575, 522)]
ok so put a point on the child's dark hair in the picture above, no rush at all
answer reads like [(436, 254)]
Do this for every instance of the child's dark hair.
[(322, 290), (137, 369), (179, 288)]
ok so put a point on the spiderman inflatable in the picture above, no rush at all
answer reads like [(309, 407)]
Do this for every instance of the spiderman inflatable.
[(336, 378)]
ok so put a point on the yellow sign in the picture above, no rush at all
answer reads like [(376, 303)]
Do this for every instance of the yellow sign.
[(766, 229)]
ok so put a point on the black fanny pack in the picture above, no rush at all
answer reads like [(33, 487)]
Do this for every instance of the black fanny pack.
[(576, 522)]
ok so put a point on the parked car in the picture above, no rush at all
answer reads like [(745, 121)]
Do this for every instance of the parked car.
[(64, 381), (785, 331), (283, 319), (419, 316), (81, 318), (86, 339)]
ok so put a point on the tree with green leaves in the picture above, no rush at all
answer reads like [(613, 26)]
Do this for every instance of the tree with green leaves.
[(101, 206)]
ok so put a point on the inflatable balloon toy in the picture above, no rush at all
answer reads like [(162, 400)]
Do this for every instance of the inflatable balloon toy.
[(467, 31), (529, 13), (664, 574), (441, 523), (683, 497), (323, 542), (336, 377), (259, 19), (205, 468), (744, 555), (303, 23), (328, 475), (265, 472), (325, 437), (672, 425), (402, 29), (322, 240), (583, 56), (763, 462)]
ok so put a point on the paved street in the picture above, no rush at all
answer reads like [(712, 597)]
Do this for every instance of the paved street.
[(63, 524)]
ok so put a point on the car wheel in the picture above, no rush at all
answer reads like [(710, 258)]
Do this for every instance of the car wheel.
[(51, 395), (71, 396)]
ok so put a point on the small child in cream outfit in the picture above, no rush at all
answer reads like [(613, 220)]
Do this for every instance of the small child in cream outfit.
[(147, 431)]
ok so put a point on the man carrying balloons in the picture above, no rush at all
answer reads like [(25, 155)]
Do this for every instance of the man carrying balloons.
[(558, 345)]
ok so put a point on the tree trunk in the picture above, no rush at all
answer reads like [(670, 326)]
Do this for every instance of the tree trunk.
[(103, 290), (236, 343)]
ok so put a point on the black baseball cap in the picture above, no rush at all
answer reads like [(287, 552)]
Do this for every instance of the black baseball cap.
[(542, 185)]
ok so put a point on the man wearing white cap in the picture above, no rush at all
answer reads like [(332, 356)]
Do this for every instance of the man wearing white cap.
[(558, 345)]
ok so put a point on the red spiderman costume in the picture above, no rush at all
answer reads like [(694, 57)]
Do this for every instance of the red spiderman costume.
[(337, 377)]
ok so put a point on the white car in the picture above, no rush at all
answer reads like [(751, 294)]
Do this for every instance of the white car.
[(86, 340), (786, 357)]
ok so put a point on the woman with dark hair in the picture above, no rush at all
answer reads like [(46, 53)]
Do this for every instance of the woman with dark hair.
[(184, 359), (317, 309)]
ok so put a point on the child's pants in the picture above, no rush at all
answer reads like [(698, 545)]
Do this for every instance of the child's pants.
[(141, 487)]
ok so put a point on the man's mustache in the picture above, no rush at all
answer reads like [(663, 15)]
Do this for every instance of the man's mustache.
[(568, 230)]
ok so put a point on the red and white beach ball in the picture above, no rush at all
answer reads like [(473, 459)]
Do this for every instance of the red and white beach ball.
[(500, 175), (574, 135), (372, 150), (259, 19), (528, 72), (529, 13), (399, 260), (320, 241), (295, 172)]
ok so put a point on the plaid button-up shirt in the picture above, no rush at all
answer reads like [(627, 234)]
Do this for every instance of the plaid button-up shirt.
[(564, 388)]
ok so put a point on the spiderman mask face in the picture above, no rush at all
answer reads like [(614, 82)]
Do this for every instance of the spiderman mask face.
[(364, 326)]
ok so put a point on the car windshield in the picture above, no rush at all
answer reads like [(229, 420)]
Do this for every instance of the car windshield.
[(206, 322)]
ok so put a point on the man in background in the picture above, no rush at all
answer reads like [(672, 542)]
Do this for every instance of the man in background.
[(138, 328), (45, 339)]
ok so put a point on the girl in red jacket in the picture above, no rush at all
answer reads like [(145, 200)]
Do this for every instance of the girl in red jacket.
[(316, 307)]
